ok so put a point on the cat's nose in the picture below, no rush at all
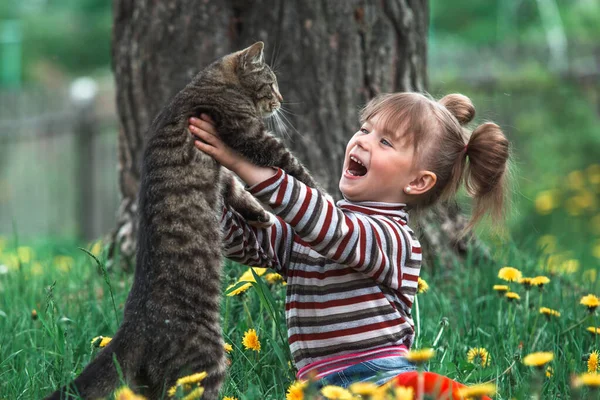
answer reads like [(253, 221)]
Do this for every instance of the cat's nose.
[(278, 95)]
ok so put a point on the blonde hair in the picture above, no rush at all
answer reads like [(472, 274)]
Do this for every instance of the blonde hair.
[(442, 144)]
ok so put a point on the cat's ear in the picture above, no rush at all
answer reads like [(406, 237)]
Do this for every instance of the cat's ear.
[(253, 55)]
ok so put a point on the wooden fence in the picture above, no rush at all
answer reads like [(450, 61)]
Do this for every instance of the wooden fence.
[(58, 159)]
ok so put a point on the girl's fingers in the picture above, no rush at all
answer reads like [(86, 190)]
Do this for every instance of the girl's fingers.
[(202, 134), (204, 125), (207, 118)]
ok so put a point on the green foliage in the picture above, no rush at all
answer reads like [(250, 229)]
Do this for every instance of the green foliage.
[(74, 298)]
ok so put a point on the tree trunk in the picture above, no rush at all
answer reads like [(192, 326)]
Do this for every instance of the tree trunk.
[(330, 58)]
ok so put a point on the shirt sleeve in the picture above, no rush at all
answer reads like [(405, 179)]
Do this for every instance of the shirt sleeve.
[(376, 245), (256, 247)]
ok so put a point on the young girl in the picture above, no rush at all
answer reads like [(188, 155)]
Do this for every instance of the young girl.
[(352, 267)]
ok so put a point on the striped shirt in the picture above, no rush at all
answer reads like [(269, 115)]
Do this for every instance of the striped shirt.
[(351, 272)]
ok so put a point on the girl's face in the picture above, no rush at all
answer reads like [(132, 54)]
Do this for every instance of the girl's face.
[(378, 165)]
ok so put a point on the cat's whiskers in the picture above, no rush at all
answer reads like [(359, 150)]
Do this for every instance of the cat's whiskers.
[(285, 121)]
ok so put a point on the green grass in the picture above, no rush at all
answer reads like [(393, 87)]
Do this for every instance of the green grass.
[(75, 302)]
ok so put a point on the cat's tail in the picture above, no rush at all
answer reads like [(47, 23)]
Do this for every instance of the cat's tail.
[(100, 377)]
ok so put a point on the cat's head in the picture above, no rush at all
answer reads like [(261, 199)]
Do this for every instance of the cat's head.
[(258, 78)]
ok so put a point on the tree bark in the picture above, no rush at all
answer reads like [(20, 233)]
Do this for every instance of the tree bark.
[(330, 58)]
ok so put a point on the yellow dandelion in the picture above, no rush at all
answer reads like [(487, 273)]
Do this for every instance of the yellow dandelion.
[(479, 355), (549, 372), (336, 393), (540, 281), (273, 277), (569, 266), (591, 274), (547, 243), (590, 301), (296, 391), (509, 274), (230, 398), (34, 314), (404, 393), (592, 361), (364, 388), (250, 340), (576, 180), (420, 356), (63, 263), (512, 296), (548, 312), (25, 254), (422, 285), (593, 173), (191, 379), (100, 341), (227, 347), (591, 380), (538, 359), (195, 394), (484, 389), (526, 282), (96, 248), (545, 202), (596, 252), (501, 289), (239, 290), (593, 330), (124, 393)]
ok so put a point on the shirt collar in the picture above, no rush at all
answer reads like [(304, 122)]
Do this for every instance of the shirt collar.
[(397, 210)]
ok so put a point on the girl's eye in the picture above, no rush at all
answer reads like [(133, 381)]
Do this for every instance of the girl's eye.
[(386, 143), (363, 130)]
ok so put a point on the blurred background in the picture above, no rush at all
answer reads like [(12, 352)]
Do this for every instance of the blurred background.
[(532, 66)]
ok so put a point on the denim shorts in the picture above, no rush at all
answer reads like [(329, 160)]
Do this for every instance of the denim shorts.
[(378, 371)]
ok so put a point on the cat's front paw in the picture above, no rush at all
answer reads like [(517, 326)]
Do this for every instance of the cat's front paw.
[(262, 220)]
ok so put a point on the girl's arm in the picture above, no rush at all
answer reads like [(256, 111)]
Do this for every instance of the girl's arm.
[(256, 247), (378, 246)]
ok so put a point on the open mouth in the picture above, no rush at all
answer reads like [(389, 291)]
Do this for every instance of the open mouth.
[(356, 167)]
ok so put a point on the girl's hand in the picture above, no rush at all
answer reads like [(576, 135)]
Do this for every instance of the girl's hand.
[(204, 129), (210, 143)]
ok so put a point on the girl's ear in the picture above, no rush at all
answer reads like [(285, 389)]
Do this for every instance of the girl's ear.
[(424, 181)]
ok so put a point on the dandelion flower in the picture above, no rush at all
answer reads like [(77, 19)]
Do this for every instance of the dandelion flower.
[(547, 243), (34, 314), (25, 254), (594, 330), (549, 372), (100, 341), (589, 380), (364, 388), (404, 393), (479, 355), (420, 356), (238, 290), (545, 202), (195, 394), (296, 391), (336, 393), (592, 362), (273, 277), (125, 393), (509, 274), (538, 359), (540, 281), (227, 347), (230, 398), (512, 296), (422, 286), (250, 340), (501, 289), (484, 389), (548, 312), (526, 282), (590, 301), (190, 379)]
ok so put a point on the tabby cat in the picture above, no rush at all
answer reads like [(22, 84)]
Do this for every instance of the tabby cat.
[(171, 319)]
